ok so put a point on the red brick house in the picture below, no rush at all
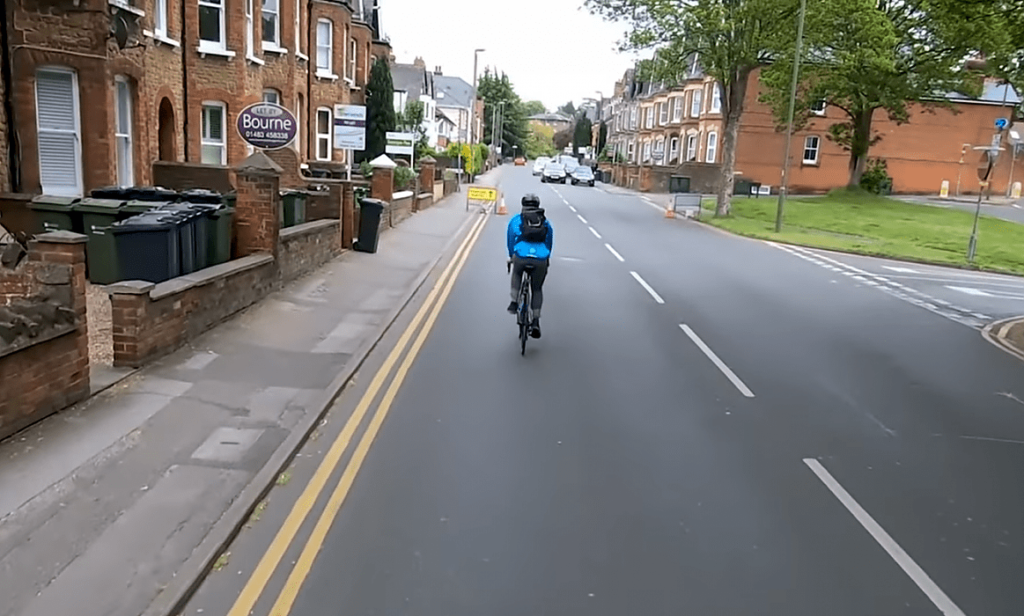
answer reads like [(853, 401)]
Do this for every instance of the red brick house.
[(89, 110), (665, 131)]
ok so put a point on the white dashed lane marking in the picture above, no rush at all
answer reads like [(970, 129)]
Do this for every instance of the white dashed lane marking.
[(594, 231), (616, 254), (647, 287), (582, 219), (942, 308)]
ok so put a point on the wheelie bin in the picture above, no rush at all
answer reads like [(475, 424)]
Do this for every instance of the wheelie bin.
[(293, 207), (188, 220), (147, 246), (140, 206), (155, 193), (100, 253), (219, 235), (201, 195), (370, 211), (53, 213), (113, 192)]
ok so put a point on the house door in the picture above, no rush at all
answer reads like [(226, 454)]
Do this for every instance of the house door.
[(59, 136), (168, 151)]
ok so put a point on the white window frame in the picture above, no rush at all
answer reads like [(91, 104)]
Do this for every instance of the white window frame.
[(673, 149), (631, 151), (648, 117), (692, 141), (64, 191), (632, 118), (711, 151), (275, 44), (819, 112), (126, 175), (328, 71), (160, 18), (677, 108), (250, 31), (206, 140), (816, 149), (271, 93), (298, 31), (663, 116), (222, 44), (696, 102), (647, 151), (324, 136), (693, 63), (353, 52), (716, 98)]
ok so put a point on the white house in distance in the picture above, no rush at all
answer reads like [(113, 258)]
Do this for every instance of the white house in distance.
[(414, 82), (454, 99)]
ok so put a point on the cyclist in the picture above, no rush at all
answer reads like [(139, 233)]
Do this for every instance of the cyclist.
[(529, 238)]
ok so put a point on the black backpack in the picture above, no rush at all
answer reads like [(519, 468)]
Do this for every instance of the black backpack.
[(533, 227)]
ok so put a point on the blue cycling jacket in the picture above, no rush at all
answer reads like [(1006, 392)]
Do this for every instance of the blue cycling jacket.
[(523, 249)]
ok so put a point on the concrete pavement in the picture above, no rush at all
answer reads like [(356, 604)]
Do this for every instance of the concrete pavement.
[(709, 425), (116, 506)]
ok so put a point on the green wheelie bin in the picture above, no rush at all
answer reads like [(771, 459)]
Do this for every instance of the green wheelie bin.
[(53, 213), (101, 251), (293, 207)]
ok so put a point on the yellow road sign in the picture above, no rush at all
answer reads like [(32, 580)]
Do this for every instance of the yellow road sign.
[(482, 193)]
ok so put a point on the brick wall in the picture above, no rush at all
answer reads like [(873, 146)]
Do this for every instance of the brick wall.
[(183, 176), (149, 320), (400, 207), (424, 201), (5, 170), (307, 247), (44, 351)]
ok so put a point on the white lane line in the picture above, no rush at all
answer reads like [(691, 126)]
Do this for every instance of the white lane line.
[(566, 201), (729, 374), (643, 283), (572, 208), (916, 573), (596, 234), (582, 219), (612, 250)]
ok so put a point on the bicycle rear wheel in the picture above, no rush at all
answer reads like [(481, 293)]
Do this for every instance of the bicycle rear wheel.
[(524, 313)]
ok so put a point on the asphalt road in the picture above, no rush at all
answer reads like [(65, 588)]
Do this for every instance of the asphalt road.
[(709, 425), (1014, 212)]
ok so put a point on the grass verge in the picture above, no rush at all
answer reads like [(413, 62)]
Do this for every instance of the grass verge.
[(867, 224)]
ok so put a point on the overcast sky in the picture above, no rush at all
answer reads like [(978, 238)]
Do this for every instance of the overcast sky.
[(552, 50)]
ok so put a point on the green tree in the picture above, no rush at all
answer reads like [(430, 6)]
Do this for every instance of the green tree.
[(380, 109), (540, 141), (582, 134), (602, 136), (864, 56), (731, 38), (532, 108), (497, 92), (568, 110)]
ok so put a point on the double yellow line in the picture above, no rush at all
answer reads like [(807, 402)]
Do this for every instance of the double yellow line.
[(254, 588)]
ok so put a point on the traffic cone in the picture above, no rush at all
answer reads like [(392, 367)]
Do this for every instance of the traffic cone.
[(669, 213), (502, 210)]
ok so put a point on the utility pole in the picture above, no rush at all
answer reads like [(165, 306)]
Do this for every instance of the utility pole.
[(472, 102), (789, 126)]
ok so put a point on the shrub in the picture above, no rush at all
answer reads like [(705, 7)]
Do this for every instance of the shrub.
[(404, 178), (876, 177)]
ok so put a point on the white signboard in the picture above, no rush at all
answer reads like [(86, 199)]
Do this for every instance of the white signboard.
[(400, 143), (349, 127)]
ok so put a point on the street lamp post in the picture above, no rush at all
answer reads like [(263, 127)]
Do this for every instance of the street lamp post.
[(789, 127), (472, 113)]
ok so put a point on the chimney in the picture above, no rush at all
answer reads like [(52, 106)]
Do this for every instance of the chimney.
[(419, 63), (437, 70)]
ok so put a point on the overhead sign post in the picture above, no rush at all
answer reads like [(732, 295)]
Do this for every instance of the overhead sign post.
[(349, 131), (267, 126)]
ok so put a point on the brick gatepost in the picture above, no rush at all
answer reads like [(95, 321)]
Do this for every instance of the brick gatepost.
[(257, 210)]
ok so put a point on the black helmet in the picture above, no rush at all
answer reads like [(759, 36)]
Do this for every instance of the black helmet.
[(531, 200)]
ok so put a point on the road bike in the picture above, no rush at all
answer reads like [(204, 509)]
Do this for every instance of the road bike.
[(524, 312)]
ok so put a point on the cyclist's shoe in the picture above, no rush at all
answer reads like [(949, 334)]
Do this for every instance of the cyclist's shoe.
[(512, 307), (535, 329)]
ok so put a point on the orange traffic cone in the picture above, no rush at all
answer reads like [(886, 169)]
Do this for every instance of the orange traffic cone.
[(669, 213), (502, 210)]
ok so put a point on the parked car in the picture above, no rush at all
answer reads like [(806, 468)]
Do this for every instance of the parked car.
[(520, 161), (539, 164), (553, 172), (582, 175), (569, 163)]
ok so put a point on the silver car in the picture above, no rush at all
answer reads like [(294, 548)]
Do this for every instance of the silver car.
[(553, 172), (539, 164)]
